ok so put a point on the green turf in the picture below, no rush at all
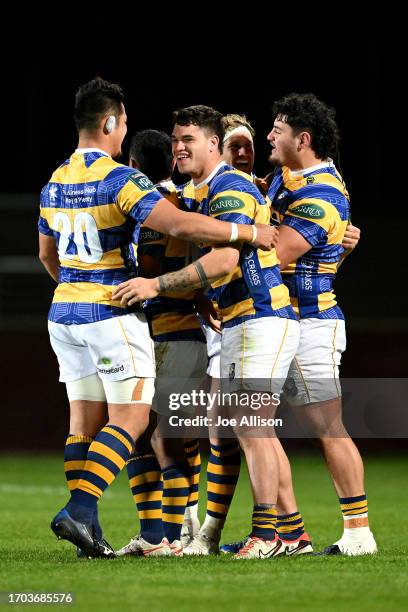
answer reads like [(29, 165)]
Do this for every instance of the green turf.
[(31, 559)]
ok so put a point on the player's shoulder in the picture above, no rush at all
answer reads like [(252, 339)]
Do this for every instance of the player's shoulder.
[(119, 175), (235, 180)]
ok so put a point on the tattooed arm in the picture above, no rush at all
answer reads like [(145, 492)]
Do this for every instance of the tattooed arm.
[(220, 262)]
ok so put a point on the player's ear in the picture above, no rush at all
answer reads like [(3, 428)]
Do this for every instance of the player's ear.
[(305, 140), (214, 140)]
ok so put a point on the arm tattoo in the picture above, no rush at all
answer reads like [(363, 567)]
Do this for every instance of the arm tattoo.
[(176, 281), (201, 274)]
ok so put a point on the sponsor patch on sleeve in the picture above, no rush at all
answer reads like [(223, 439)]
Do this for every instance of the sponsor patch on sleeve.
[(308, 211), (141, 181), (225, 204)]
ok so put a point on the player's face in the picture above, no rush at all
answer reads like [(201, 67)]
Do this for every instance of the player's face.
[(239, 152), (284, 144), (191, 146), (119, 133)]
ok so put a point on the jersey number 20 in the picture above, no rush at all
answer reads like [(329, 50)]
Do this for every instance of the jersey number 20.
[(86, 237)]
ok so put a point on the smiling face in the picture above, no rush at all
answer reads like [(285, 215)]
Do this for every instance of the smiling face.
[(239, 152), (195, 151), (284, 144)]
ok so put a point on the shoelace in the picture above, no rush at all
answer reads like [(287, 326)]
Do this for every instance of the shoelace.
[(250, 544)]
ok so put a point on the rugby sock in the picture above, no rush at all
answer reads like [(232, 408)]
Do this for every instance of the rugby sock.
[(223, 470), (146, 484), (75, 454), (107, 455), (192, 450), (290, 526), (175, 496), (355, 512), (76, 451), (264, 521)]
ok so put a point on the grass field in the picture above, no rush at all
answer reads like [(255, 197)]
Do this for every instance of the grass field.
[(32, 490)]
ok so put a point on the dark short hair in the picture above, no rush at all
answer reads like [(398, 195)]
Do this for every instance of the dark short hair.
[(204, 117), (94, 100), (151, 150), (306, 113)]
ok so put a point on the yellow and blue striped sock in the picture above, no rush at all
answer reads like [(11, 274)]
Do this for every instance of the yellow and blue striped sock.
[(106, 457), (192, 450), (75, 455), (290, 526), (176, 480), (146, 484), (223, 469), (355, 511), (264, 521)]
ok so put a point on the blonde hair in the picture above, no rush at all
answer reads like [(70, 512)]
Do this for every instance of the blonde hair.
[(232, 121)]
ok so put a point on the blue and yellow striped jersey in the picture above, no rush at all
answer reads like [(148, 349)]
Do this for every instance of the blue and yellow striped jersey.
[(254, 288), (170, 318), (94, 208), (315, 203)]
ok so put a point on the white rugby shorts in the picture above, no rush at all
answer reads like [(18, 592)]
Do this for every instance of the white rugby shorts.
[(314, 372), (258, 352), (115, 349), (213, 351)]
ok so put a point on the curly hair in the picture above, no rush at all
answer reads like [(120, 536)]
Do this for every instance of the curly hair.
[(204, 117), (94, 100), (306, 113)]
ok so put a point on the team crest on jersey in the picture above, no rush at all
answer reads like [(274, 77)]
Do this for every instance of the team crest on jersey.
[(141, 181), (52, 192), (231, 373), (309, 211), (310, 180), (225, 204)]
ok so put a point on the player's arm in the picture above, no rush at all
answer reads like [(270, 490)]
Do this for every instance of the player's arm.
[(212, 266), (350, 241), (48, 255), (196, 227), (291, 245)]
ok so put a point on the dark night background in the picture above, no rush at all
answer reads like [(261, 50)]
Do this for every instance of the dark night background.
[(367, 285)]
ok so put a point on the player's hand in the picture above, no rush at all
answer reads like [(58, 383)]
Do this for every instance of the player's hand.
[(267, 237), (206, 310), (136, 290), (351, 237), (263, 183)]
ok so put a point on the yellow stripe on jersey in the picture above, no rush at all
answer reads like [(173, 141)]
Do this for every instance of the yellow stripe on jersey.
[(110, 261), (85, 293)]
